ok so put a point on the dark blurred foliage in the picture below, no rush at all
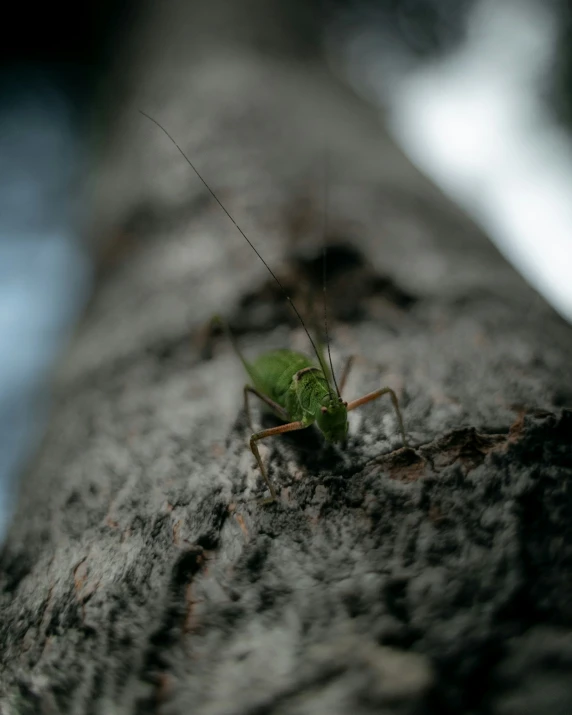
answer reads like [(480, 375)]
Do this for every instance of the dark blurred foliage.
[(561, 92), (69, 45), (75, 43), (426, 27)]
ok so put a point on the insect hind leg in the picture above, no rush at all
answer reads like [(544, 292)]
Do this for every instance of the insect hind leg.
[(345, 372), (217, 321)]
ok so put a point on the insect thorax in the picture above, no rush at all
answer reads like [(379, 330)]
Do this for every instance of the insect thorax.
[(317, 402), (309, 391), (294, 382)]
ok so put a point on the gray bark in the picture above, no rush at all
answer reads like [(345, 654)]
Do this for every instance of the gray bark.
[(140, 576)]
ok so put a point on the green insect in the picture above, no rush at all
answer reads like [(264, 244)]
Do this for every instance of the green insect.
[(298, 390)]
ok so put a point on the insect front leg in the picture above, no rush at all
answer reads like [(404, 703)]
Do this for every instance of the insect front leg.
[(290, 427), (374, 396)]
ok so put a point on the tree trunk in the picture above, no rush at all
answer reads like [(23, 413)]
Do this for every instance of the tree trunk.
[(140, 575)]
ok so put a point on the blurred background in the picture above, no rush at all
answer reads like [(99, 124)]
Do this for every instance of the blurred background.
[(477, 93)]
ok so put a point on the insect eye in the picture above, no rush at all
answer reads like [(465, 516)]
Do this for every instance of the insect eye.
[(324, 410)]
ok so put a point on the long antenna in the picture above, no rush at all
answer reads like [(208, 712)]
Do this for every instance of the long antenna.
[(212, 193), (324, 272)]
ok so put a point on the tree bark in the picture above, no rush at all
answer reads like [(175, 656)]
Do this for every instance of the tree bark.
[(140, 575)]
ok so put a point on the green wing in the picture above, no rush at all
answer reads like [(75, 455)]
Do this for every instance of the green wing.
[(272, 372)]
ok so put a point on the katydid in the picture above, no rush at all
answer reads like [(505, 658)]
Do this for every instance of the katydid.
[(298, 390)]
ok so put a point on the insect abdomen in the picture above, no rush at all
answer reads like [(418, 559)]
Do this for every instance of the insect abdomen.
[(272, 373)]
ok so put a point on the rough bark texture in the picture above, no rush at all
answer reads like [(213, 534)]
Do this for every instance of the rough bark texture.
[(139, 576)]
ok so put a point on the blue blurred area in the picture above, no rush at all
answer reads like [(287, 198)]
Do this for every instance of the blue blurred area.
[(45, 272)]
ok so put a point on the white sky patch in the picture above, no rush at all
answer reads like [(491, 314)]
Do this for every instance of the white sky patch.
[(475, 124)]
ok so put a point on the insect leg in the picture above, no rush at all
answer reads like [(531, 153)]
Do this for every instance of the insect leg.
[(374, 396), (281, 429), (350, 362), (346, 371), (280, 411), (219, 322)]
